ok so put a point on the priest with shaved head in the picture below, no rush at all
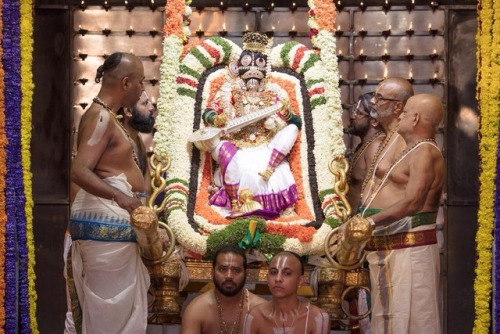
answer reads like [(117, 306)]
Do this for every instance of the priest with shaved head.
[(110, 280), (402, 206)]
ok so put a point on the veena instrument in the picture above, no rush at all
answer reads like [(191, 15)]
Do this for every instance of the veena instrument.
[(207, 138)]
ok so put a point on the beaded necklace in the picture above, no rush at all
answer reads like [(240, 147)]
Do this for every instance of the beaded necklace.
[(401, 156), (236, 323), (354, 159), (371, 169), (117, 119)]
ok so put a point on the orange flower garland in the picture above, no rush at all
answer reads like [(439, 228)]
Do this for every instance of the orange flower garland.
[(303, 233), (324, 13), (174, 11)]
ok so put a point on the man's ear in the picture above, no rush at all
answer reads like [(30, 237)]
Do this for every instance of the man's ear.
[(127, 112), (416, 119), (301, 279), (125, 83), (398, 109)]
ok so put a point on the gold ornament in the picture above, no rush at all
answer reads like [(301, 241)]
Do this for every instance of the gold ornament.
[(255, 42)]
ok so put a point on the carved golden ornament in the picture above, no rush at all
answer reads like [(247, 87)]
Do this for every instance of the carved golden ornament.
[(145, 223), (330, 300), (349, 253), (331, 275), (220, 120), (358, 277), (158, 182), (255, 42), (345, 308), (357, 233), (266, 175), (167, 269), (163, 266), (330, 287), (339, 167), (346, 255), (248, 204)]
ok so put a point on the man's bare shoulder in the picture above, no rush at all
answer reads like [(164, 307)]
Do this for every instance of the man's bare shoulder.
[(427, 152), (203, 300), (258, 309), (320, 319), (256, 321), (93, 118), (373, 147), (92, 112), (196, 314), (315, 310)]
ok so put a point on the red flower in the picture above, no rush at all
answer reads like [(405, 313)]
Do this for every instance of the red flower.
[(311, 12), (313, 32)]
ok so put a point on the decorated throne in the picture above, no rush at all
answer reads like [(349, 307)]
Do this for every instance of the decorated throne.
[(199, 84)]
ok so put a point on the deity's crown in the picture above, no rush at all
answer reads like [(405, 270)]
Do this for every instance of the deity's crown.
[(255, 42)]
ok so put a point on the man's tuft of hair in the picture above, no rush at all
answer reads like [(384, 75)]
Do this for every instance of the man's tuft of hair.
[(109, 64)]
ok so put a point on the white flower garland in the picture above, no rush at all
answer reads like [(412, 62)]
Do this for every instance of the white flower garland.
[(176, 115), (172, 48)]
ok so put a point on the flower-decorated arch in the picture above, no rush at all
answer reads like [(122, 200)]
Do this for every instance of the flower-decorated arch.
[(187, 87)]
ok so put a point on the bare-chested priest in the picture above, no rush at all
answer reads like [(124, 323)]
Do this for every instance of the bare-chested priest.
[(223, 309), (363, 125), (387, 104), (286, 313), (402, 207), (110, 279)]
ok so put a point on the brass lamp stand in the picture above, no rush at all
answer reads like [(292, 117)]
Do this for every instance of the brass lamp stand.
[(163, 265), (346, 256)]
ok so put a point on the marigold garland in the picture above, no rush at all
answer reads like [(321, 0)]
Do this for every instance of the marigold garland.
[(303, 233), (27, 87), (488, 95), (496, 255), (495, 106), (324, 14)]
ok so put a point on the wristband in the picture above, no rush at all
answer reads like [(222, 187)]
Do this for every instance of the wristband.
[(371, 221)]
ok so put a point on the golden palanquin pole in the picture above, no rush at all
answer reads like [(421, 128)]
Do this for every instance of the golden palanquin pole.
[(163, 265), (346, 256)]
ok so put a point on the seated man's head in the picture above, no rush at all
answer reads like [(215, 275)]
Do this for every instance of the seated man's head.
[(229, 270), (253, 60), (285, 274)]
